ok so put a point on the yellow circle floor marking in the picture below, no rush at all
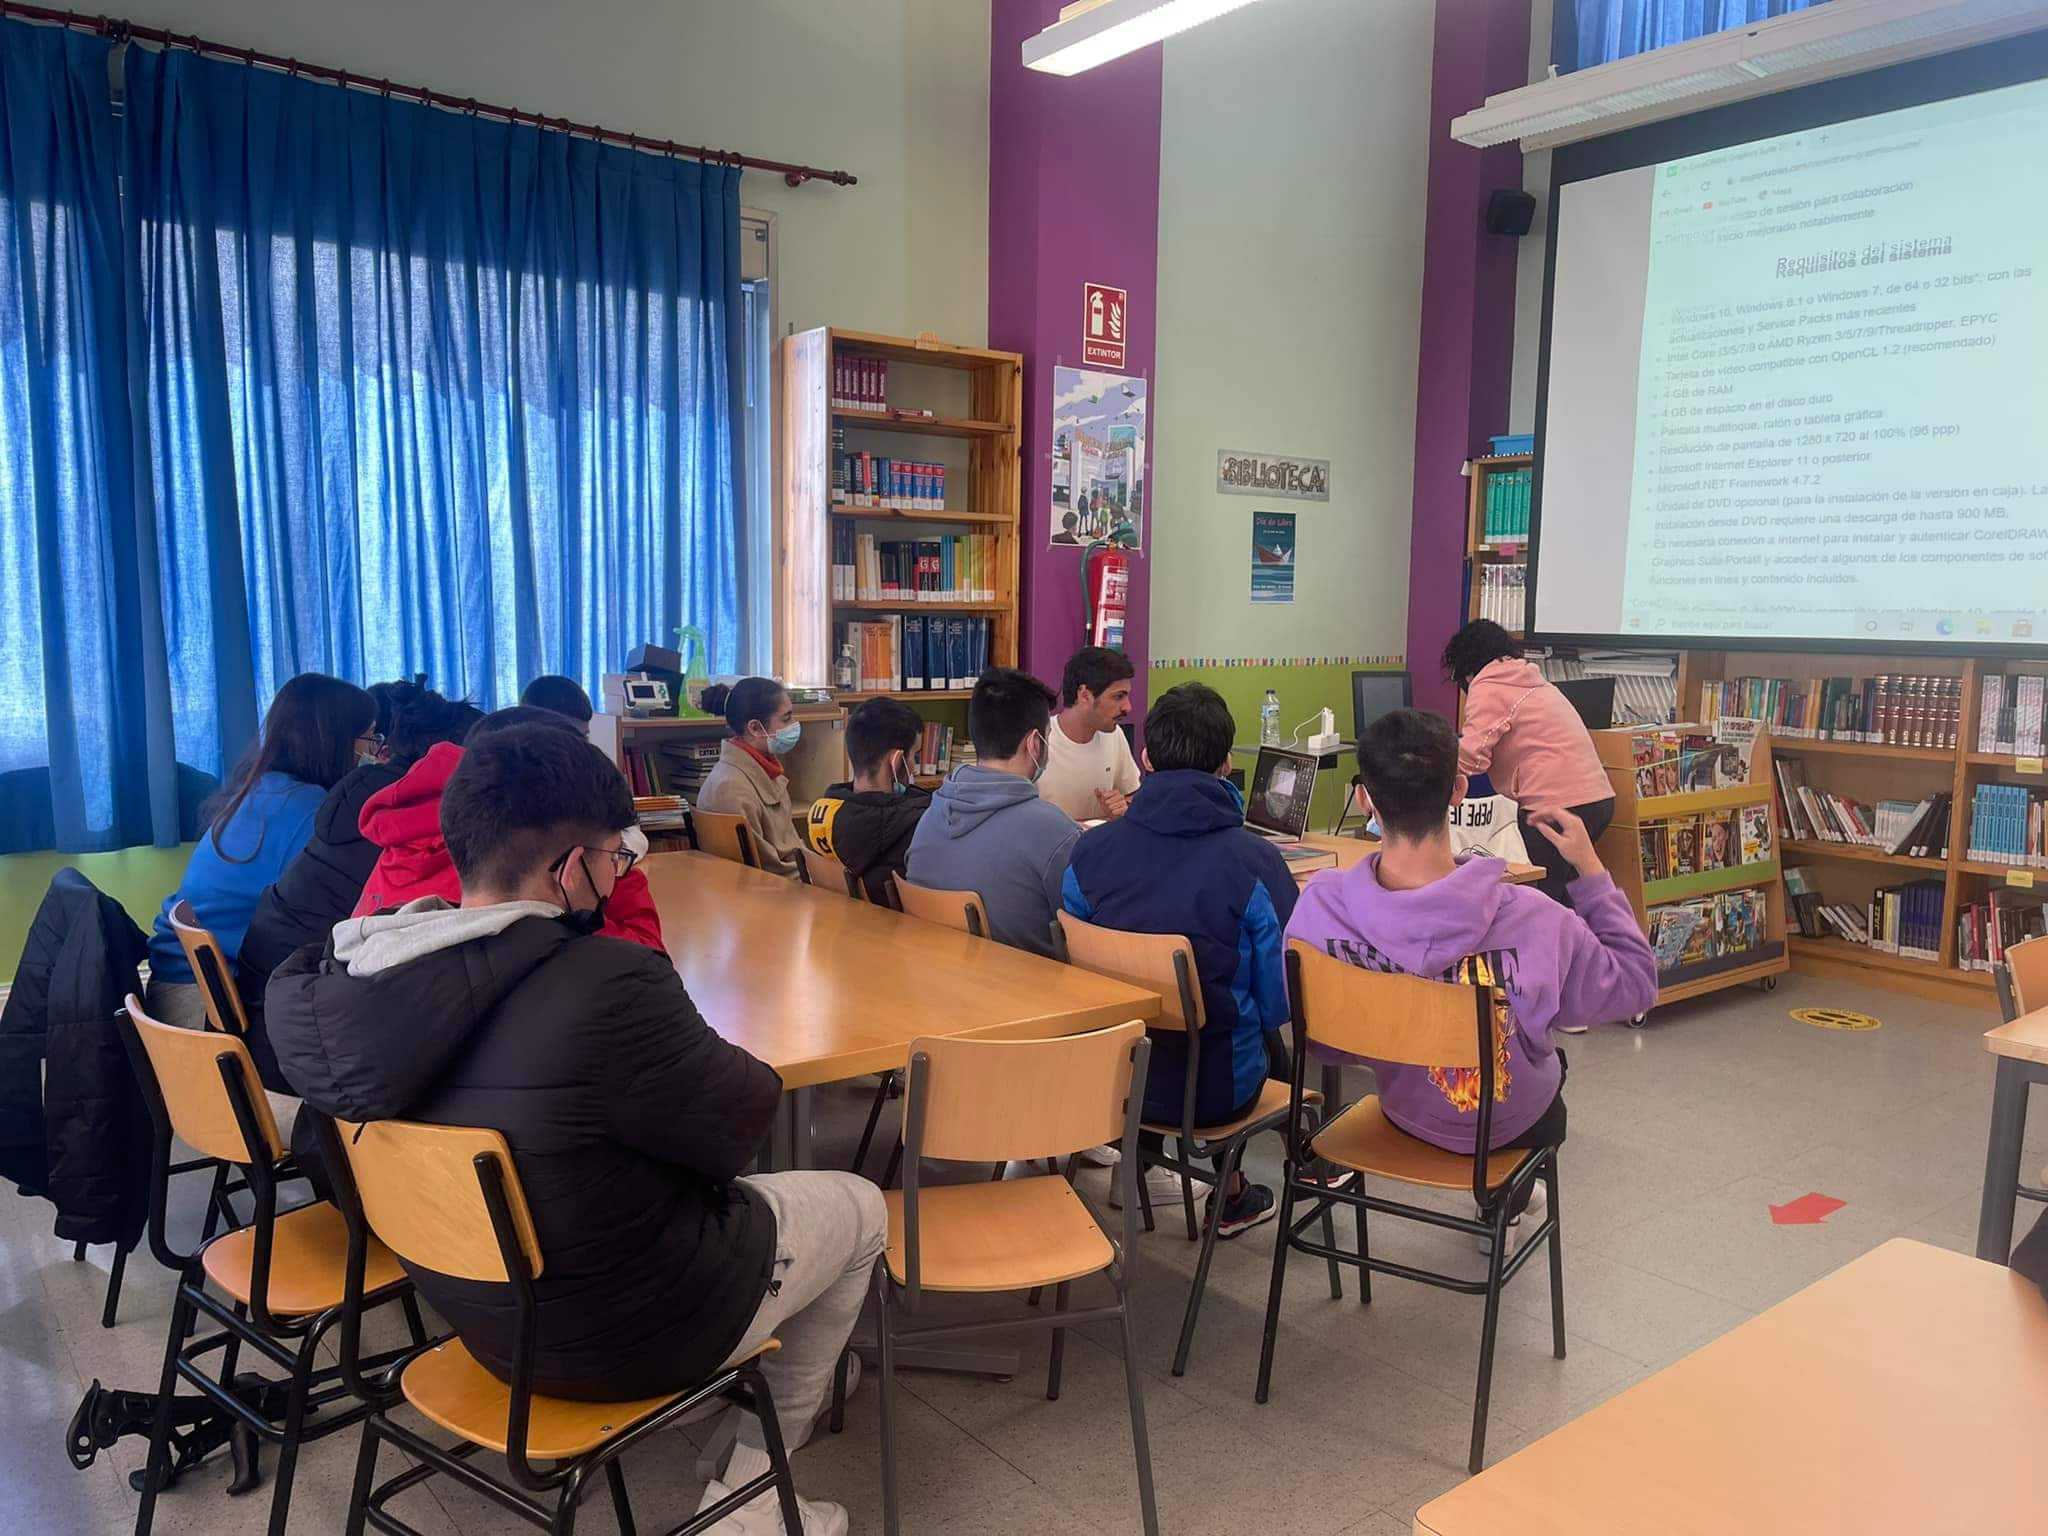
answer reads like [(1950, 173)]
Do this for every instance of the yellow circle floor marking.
[(1835, 1018)]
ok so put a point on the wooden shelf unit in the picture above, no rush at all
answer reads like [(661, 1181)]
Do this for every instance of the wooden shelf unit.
[(1620, 849), (818, 759), (1479, 553), (977, 400), (1869, 772)]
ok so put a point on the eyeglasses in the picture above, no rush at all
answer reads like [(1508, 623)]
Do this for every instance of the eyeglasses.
[(374, 739), (623, 860)]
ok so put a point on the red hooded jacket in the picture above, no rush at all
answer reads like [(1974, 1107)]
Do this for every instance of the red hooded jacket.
[(404, 820)]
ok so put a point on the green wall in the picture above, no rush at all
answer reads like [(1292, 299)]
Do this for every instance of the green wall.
[(1303, 689), (138, 878)]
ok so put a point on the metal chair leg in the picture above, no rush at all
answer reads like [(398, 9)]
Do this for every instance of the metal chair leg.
[(615, 1475), (1282, 1244), (1145, 1194), (1330, 1236), (1200, 1285), (889, 1174), (159, 1464), (1134, 1386), (294, 1432), (772, 1442), (867, 1135), (78, 1253), (1494, 1261), (415, 1325), (571, 1499), (1556, 1261), (1187, 1191), (891, 1524), (366, 1475), (217, 1205), (1364, 1252), (1059, 1344), (837, 1423), (110, 1310)]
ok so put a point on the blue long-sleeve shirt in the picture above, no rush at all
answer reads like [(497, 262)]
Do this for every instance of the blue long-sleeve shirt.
[(224, 879)]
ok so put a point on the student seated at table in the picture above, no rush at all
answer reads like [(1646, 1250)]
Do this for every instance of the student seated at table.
[(563, 695), (315, 731), (1181, 861), (629, 1118), (987, 831), (867, 823), (1089, 772), (320, 886), (404, 821), (749, 779), (1413, 908)]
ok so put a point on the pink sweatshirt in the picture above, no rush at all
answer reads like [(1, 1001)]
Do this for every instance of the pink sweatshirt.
[(1528, 738)]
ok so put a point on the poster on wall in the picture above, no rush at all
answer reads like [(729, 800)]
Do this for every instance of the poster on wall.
[(1098, 456), (1272, 557)]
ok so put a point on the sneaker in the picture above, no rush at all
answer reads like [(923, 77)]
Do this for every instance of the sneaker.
[(1570, 1029), (1162, 1183), (1245, 1210), (1104, 1156), (763, 1517), (1539, 1202)]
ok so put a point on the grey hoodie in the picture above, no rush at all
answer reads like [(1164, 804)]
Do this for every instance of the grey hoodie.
[(988, 832)]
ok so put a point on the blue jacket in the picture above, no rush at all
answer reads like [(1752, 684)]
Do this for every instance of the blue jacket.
[(988, 832), (1181, 861)]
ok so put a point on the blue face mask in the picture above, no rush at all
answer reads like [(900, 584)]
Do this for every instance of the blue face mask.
[(785, 740)]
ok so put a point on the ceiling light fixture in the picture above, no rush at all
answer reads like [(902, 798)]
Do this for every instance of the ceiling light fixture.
[(1092, 32)]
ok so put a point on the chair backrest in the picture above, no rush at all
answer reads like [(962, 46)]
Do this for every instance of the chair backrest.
[(1159, 962), (186, 1064), (2027, 962), (422, 1189), (953, 909), (725, 835), (989, 1101), (827, 873), (1389, 1017), (209, 964)]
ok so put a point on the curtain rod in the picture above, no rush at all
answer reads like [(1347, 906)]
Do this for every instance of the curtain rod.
[(125, 31)]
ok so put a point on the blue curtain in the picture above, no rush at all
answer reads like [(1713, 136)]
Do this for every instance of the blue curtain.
[(1588, 32), (425, 392)]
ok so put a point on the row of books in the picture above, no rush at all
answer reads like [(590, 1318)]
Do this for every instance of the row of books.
[(898, 485), (2007, 824), (1674, 760), (1708, 928), (1985, 930), (1692, 845), (1917, 828), (672, 768), (859, 383), (2009, 712), (946, 568), (1902, 919), (915, 652), (1507, 506), (1502, 593), (936, 751), (1894, 709)]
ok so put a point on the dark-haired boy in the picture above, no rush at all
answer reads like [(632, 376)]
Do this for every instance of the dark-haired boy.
[(1413, 908), (628, 1117), (1089, 771), (1181, 861), (986, 829), (563, 695), (867, 823)]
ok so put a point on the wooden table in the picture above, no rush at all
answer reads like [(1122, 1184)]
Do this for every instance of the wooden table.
[(1906, 1393), (2022, 1051)]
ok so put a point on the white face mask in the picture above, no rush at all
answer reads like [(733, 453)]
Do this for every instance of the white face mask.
[(1041, 758)]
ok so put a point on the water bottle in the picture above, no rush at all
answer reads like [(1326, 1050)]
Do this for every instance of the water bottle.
[(1269, 720)]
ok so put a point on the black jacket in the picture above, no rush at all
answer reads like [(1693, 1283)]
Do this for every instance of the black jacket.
[(79, 1135), (317, 890), (628, 1117), (867, 830)]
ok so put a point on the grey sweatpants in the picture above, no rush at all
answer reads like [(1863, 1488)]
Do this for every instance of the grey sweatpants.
[(829, 1230)]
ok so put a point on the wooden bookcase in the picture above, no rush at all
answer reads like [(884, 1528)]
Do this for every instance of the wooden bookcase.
[(1620, 850), (975, 398), (1870, 772), (1479, 553), (818, 759)]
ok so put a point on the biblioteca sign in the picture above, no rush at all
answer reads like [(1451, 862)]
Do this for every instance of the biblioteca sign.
[(1259, 474)]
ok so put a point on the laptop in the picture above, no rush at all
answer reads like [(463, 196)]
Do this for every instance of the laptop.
[(1283, 783)]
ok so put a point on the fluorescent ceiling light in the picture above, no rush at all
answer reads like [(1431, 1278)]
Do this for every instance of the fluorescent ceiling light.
[(1840, 38), (1092, 32)]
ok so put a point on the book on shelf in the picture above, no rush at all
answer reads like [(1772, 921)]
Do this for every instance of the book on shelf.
[(935, 749), (1708, 927), (859, 383), (1890, 709), (2007, 825), (946, 568), (1503, 590), (1508, 494), (916, 652), (1915, 828), (865, 480), (676, 768), (2009, 714), (1692, 845), (1677, 760), (1906, 919), (1986, 929)]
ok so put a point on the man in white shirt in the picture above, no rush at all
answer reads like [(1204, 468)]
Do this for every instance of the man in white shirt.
[(1090, 773)]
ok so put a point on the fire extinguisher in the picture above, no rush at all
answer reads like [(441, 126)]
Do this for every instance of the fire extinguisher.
[(1106, 586)]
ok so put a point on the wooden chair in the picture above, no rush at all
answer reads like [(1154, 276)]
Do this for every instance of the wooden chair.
[(210, 965), (1165, 964), (724, 835), (982, 1101), (952, 909), (285, 1274), (826, 872), (448, 1198), (2027, 964), (2021, 1046), (1418, 1023)]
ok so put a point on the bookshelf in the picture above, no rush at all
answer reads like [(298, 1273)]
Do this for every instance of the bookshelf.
[(932, 406), (1620, 849), (1870, 772), (652, 750), (1490, 559)]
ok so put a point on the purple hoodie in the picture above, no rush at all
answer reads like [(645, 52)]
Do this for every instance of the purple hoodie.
[(1590, 966)]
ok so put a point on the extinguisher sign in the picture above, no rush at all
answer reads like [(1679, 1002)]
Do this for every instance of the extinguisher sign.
[(1104, 313)]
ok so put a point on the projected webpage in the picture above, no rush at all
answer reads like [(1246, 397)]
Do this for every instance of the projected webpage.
[(1797, 386)]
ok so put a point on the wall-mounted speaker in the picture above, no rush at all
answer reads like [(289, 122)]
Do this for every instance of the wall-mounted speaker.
[(1510, 211)]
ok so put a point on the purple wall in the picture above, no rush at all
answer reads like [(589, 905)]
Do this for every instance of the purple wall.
[(1073, 199), (1468, 319)]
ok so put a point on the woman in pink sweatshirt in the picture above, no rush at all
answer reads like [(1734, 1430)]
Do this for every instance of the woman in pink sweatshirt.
[(1525, 735)]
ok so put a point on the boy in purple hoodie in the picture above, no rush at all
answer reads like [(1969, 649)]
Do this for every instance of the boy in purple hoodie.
[(1413, 908)]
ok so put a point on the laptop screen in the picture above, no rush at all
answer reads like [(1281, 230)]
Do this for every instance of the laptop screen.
[(1282, 785)]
